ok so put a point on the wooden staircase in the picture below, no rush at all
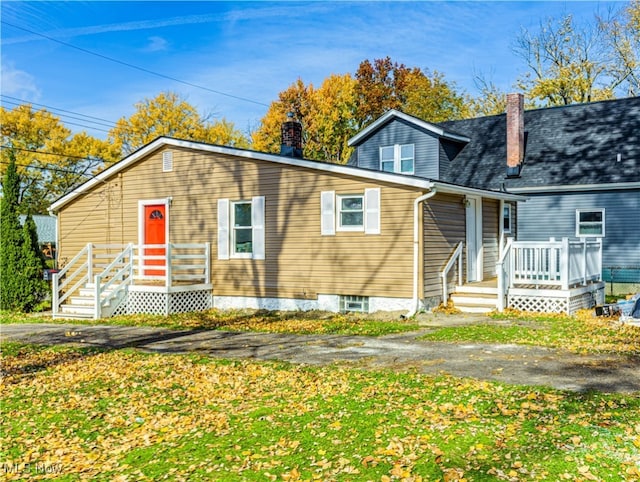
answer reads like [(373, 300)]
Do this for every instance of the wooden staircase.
[(479, 297), (82, 305)]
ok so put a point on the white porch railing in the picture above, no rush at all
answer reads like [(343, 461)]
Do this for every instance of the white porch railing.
[(456, 255), (118, 266), (557, 264)]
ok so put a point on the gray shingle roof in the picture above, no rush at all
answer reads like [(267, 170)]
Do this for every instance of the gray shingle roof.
[(569, 145), (45, 227)]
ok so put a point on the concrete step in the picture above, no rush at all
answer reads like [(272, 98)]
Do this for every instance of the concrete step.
[(81, 310), (474, 302), (90, 292), (82, 300), (475, 309), (72, 316), (477, 289)]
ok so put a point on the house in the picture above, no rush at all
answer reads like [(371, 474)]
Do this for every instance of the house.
[(578, 165), (46, 231), (181, 225), (554, 260)]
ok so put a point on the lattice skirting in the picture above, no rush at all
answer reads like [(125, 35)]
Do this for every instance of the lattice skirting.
[(538, 303), (162, 303), (563, 302)]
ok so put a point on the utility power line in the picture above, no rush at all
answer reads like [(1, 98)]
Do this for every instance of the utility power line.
[(67, 116), (59, 154), (23, 101), (142, 69), (52, 169)]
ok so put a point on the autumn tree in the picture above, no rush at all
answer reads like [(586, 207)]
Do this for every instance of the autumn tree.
[(295, 99), (621, 30), (384, 84), (570, 63), (333, 122), (50, 159), (343, 105), (168, 114)]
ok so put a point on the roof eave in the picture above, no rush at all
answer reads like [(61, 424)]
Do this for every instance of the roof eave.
[(472, 191), (378, 176), (385, 118)]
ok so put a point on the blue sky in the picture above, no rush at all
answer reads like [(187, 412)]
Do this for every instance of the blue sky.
[(249, 51)]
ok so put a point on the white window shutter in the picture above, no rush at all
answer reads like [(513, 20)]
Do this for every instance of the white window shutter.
[(372, 211), (223, 229), (328, 214), (257, 223)]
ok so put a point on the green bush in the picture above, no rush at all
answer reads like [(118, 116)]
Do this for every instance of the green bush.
[(21, 264)]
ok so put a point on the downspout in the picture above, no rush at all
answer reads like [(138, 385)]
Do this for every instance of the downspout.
[(417, 218)]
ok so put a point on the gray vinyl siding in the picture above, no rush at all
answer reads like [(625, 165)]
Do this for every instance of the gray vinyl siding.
[(426, 148), (554, 215), (491, 218)]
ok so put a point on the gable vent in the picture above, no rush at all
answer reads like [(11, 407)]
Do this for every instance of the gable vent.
[(167, 161)]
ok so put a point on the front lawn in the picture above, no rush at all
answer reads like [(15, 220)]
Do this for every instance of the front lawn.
[(297, 322), (582, 333), (73, 414)]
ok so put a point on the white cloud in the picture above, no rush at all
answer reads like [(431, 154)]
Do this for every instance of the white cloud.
[(156, 44), (117, 27), (18, 83)]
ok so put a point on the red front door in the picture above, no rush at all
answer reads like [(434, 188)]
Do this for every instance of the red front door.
[(154, 233)]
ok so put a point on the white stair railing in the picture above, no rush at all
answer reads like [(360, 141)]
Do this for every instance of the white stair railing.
[(456, 255), (503, 270), (112, 282), (75, 274), (187, 263)]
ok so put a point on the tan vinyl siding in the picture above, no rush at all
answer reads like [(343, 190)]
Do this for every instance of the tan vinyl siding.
[(444, 228), (299, 261), (491, 217)]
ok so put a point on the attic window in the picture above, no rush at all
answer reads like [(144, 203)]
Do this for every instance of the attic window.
[(167, 161), (397, 158)]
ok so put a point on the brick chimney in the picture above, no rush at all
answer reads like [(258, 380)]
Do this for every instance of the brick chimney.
[(291, 143), (515, 134)]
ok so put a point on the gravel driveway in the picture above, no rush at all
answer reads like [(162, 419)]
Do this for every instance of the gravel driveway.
[(514, 364)]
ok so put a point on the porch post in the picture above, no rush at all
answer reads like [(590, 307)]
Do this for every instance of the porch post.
[(584, 261), (54, 295), (131, 253), (501, 290), (460, 270), (89, 262), (599, 259), (97, 293), (167, 264), (564, 264), (207, 262)]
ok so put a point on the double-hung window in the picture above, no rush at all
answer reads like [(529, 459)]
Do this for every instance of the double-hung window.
[(242, 234), (351, 212), (590, 223), (398, 158), (241, 231)]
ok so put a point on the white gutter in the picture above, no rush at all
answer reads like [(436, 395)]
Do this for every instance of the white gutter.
[(417, 218), (577, 187)]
